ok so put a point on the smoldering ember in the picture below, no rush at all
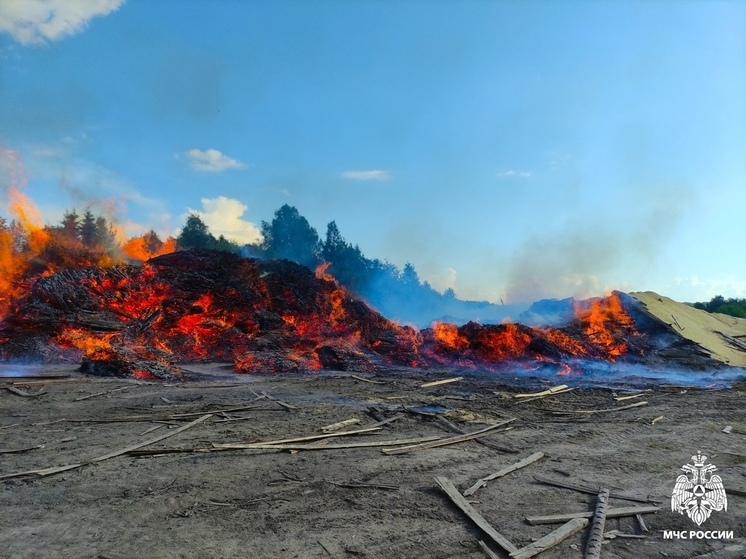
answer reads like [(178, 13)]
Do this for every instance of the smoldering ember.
[(277, 316)]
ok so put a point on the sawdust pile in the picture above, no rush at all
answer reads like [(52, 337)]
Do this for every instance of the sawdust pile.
[(722, 335)]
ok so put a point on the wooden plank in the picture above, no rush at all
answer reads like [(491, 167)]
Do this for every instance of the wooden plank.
[(610, 513), (591, 490), (553, 390), (551, 539), (505, 471), (439, 382), (456, 429), (460, 501), (57, 469), (448, 441), (333, 446)]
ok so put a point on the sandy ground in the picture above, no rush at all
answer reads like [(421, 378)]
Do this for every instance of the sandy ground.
[(355, 502)]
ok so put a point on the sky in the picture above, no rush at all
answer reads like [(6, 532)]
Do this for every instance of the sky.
[(509, 150)]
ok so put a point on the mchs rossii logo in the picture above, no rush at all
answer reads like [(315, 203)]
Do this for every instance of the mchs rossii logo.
[(697, 493)]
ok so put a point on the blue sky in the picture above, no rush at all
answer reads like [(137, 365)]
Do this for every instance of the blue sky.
[(510, 150)]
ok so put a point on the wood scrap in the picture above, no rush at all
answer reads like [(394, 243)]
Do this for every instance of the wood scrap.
[(607, 410), (596, 536), (641, 523), (551, 539), (439, 382), (101, 393), (505, 471), (524, 400), (491, 554), (57, 469), (340, 425), (366, 485), (591, 490), (549, 391), (20, 450), (738, 344), (460, 501), (448, 441), (456, 429), (610, 513), (367, 380), (630, 396), (25, 393)]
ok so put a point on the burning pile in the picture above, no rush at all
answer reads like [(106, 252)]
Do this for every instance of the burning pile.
[(274, 315)]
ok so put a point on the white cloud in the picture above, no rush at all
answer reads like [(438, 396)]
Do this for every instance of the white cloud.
[(514, 173), (38, 21), (224, 215), (211, 161), (373, 175)]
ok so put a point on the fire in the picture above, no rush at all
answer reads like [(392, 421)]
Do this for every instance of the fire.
[(92, 347), (604, 320), (144, 248), (447, 335)]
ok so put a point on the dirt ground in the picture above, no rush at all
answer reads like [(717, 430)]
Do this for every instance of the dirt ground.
[(353, 502)]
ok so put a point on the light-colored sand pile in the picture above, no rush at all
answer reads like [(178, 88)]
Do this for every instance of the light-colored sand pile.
[(699, 326)]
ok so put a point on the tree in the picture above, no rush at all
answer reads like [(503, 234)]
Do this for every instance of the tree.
[(87, 230), (152, 242), (70, 225), (289, 235), (409, 275), (195, 234)]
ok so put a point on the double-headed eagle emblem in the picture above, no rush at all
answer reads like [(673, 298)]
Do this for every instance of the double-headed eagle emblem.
[(700, 494)]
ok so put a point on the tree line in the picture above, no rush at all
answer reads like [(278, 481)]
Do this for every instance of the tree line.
[(82, 240)]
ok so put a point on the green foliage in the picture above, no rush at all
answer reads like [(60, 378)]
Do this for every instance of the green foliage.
[(719, 304), (289, 235), (196, 234)]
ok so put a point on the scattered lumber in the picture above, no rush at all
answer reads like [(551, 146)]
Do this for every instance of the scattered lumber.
[(738, 344), (340, 425), (491, 554), (19, 450), (439, 382), (358, 485), (551, 539), (57, 469), (505, 471), (591, 490), (456, 429), (549, 391), (610, 513), (596, 536), (630, 396), (448, 441), (460, 501), (367, 380)]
